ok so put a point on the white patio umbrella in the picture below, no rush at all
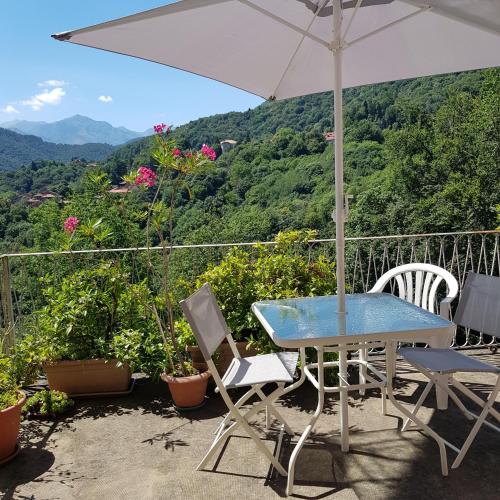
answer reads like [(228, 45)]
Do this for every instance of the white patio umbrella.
[(279, 49)]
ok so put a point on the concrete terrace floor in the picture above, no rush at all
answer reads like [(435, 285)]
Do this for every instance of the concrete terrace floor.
[(139, 447)]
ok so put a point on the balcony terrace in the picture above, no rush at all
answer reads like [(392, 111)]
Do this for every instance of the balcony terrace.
[(140, 446)]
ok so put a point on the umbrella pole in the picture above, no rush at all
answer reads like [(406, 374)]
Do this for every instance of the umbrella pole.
[(340, 214), (339, 158)]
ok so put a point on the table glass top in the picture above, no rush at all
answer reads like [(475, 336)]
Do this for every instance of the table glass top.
[(367, 313)]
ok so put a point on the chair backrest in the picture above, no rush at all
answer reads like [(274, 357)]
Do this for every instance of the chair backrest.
[(418, 283), (479, 306), (206, 320)]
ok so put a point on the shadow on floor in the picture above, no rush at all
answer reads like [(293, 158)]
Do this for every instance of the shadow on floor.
[(61, 459)]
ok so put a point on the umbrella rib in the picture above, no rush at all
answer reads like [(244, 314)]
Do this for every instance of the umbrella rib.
[(173, 8), (285, 23), (358, 5), (451, 14), (387, 26), (320, 6)]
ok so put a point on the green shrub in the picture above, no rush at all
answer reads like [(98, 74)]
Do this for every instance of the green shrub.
[(48, 404), (9, 385), (81, 314), (98, 313), (276, 272), (8, 399), (15, 369), (184, 333), (138, 340)]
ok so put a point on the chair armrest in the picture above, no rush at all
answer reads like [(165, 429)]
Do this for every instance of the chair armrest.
[(378, 287), (445, 307)]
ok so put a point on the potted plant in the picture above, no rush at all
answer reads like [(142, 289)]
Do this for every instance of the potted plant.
[(12, 400), (187, 385), (172, 172), (79, 335), (47, 405)]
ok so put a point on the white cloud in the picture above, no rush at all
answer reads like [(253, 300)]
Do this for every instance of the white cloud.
[(105, 98), (11, 110), (38, 101), (52, 83)]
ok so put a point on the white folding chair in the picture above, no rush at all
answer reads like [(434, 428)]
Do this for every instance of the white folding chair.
[(479, 309), (210, 329)]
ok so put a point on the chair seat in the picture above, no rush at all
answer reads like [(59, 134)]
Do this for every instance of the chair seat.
[(444, 360), (262, 369)]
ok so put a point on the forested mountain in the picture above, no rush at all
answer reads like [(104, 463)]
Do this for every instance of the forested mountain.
[(45, 175), (18, 149), (76, 129), (420, 156), (432, 169), (367, 112), (377, 103)]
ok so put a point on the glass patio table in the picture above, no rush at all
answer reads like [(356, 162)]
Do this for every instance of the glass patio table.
[(371, 320)]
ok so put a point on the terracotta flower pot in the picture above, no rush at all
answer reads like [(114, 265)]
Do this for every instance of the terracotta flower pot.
[(89, 376), (10, 419), (187, 392)]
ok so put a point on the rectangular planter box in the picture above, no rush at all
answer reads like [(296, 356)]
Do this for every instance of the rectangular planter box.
[(90, 376)]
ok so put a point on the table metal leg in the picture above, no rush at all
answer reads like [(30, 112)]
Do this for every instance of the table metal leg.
[(344, 397), (312, 422), (302, 377), (363, 356)]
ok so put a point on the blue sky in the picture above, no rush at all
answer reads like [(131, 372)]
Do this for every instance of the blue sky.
[(46, 80)]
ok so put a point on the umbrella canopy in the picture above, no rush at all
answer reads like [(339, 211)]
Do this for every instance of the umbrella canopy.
[(283, 48), (287, 48)]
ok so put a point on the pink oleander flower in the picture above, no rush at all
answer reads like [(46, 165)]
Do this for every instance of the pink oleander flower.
[(160, 128), (145, 176), (70, 224), (176, 152), (208, 152)]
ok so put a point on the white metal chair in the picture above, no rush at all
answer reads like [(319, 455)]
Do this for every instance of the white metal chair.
[(478, 309), (210, 329), (417, 283)]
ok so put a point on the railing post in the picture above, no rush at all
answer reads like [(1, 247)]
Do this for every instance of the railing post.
[(7, 308)]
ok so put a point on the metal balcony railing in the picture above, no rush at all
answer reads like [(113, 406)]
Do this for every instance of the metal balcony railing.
[(367, 258)]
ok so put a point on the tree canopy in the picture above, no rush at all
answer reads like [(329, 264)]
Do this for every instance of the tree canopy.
[(420, 156)]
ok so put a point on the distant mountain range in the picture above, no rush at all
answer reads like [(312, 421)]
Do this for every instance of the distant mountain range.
[(76, 129), (19, 149)]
